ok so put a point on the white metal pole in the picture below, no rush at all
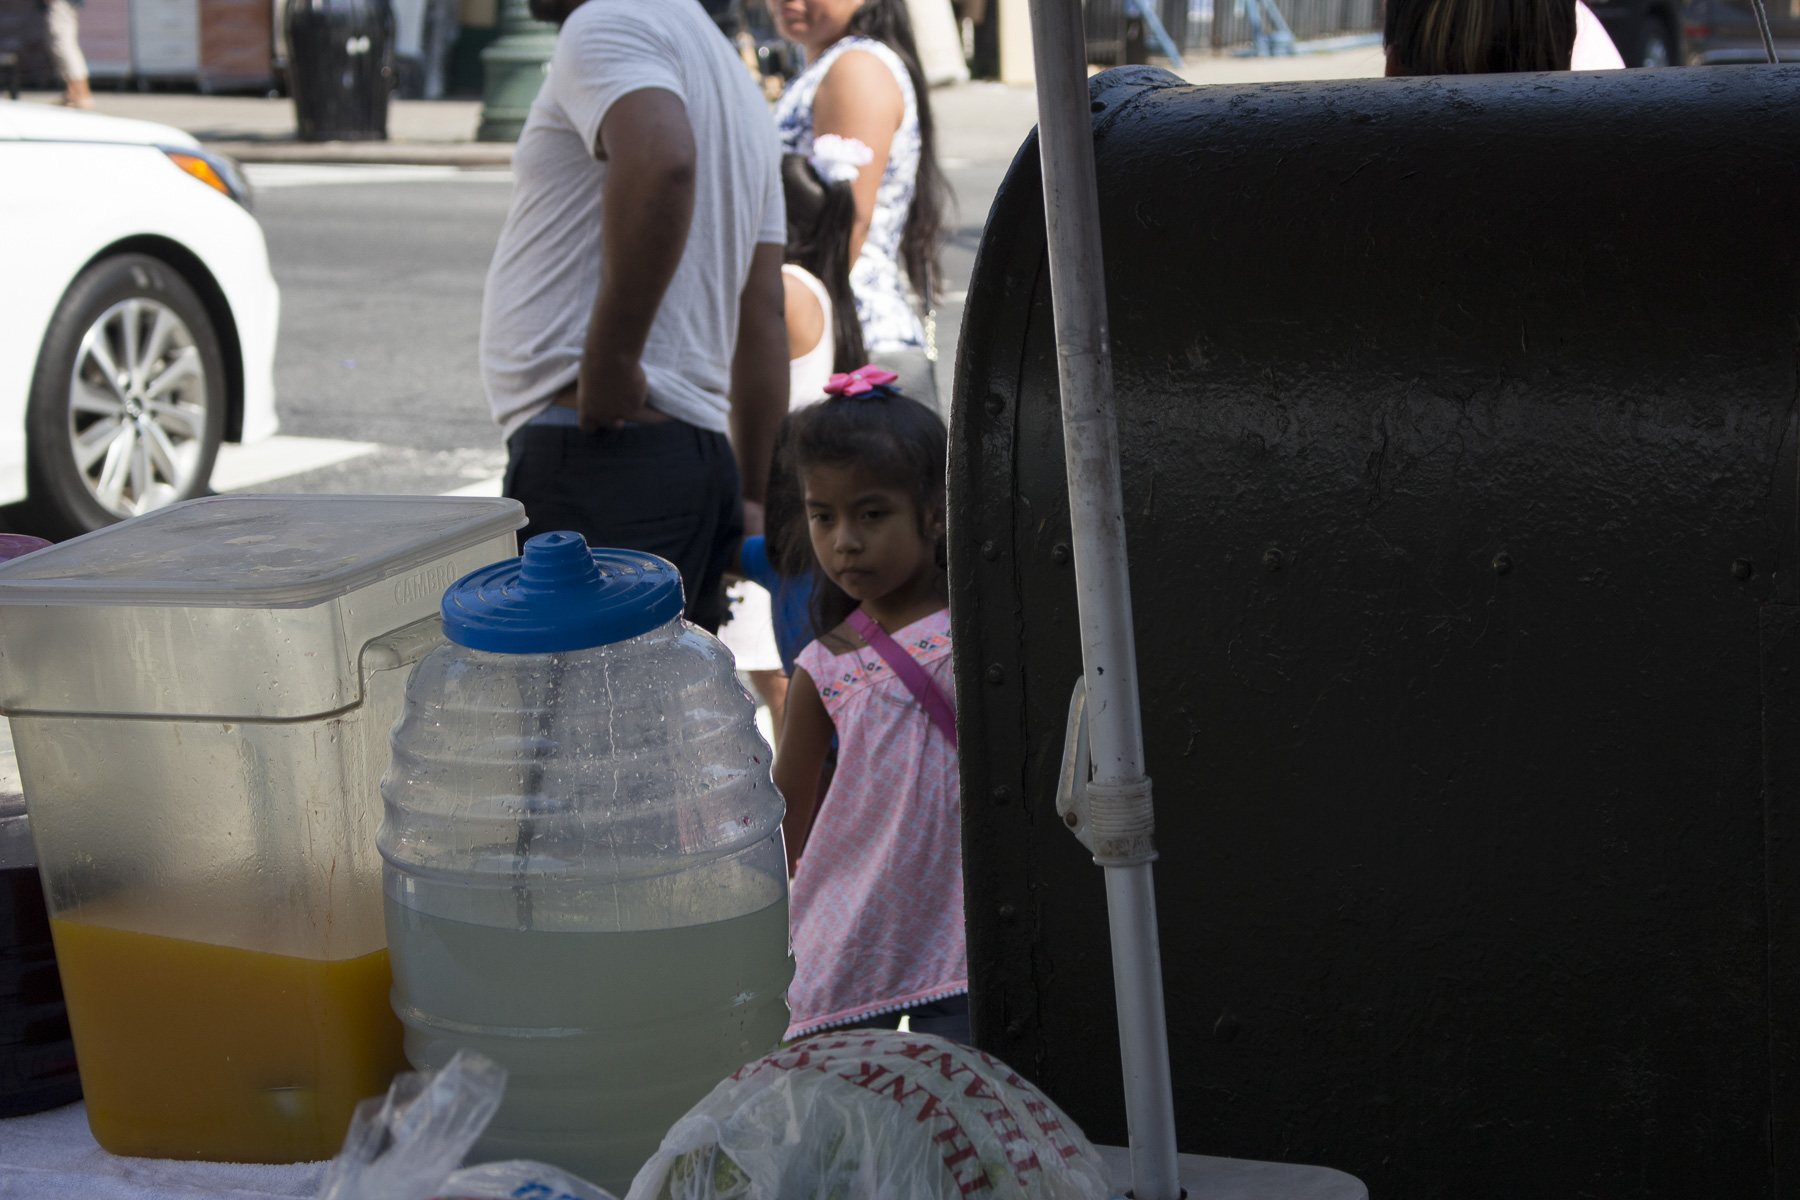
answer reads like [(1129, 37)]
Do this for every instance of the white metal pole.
[(1119, 794)]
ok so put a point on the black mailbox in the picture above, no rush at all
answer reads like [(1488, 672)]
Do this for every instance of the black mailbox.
[(1458, 421)]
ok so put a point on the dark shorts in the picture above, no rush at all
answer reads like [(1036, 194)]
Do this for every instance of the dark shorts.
[(948, 1018), (669, 489)]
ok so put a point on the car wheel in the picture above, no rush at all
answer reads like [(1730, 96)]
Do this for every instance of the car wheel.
[(128, 401), (1658, 46)]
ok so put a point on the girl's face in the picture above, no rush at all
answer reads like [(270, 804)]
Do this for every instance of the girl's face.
[(814, 24), (868, 536)]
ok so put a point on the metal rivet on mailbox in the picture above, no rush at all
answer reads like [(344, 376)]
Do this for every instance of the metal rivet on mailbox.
[(1742, 569), (1502, 563), (990, 550), (1272, 559), (1059, 553), (996, 674), (995, 406), (1002, 794)]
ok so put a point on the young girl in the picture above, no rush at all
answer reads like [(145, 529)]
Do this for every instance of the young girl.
[(877, 897)]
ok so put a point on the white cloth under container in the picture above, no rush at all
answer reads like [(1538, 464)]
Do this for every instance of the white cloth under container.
[(51, 1155)]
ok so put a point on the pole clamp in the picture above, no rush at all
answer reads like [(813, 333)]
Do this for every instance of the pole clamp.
[(1115, 821)]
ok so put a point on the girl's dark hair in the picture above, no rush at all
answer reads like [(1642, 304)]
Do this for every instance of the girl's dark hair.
[(897, 441), (885, 21), (819, 217), (1479, 37)]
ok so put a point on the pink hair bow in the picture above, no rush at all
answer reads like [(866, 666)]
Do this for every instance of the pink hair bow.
[(863, 379)]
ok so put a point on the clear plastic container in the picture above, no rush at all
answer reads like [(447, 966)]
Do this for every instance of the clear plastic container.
[(584, 867), (199, 700)]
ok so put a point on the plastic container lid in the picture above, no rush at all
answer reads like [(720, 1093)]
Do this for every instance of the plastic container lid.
[(559, 596), (254, 551)]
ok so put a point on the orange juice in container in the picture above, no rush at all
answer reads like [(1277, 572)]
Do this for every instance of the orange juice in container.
[(200, 700)]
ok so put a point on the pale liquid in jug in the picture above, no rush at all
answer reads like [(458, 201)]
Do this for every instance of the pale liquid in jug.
[(608, 1038), (194, 1050)]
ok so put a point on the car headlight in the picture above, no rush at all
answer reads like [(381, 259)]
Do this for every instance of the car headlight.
[(216, 171)]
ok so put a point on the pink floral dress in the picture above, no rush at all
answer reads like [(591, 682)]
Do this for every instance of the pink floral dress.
[(878, 898)]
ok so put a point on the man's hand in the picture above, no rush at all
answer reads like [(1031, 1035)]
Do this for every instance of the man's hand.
[(646, 208), (610, 391)]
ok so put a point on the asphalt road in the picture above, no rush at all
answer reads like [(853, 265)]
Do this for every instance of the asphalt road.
[(381, 272)]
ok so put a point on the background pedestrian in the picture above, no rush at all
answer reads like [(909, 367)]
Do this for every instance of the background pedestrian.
[(862, 80), (1481, 37), (768, 622), (633, 311), (62, 29)]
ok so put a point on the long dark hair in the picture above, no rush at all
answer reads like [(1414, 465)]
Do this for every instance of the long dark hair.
[(1479, 37), (897, 441), (819, 217), (885, 21)]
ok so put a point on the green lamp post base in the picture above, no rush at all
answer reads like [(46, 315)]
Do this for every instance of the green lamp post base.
[(513, 71)]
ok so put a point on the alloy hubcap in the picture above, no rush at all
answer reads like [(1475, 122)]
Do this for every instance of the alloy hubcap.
[(137, 407)]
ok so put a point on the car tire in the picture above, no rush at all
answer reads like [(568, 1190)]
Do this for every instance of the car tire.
[(128, 401), (1656, 44)]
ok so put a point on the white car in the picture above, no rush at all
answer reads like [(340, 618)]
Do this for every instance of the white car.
[(137, 317)]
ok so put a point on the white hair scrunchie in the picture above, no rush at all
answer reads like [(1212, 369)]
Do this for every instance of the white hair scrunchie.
[(839, 159)]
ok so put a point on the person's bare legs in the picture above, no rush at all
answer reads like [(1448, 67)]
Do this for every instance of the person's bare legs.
[(771, 689)]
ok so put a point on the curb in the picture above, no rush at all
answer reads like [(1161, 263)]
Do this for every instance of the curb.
[(436, 154)]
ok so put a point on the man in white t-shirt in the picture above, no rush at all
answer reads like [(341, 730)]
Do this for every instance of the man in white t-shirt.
[(633, 311)]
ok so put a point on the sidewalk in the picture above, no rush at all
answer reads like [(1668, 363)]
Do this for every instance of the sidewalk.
[(254, 129), (976, 122), (1357, 63)]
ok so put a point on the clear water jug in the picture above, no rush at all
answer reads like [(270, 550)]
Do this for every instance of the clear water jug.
[(584, 869)]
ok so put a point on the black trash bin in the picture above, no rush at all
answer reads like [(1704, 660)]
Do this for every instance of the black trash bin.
[(340, 68)]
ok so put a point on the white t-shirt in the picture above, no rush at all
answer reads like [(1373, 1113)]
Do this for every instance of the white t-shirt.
[(546, 270)]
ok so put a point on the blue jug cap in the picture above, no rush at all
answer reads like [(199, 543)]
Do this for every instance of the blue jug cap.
[(559, 595)]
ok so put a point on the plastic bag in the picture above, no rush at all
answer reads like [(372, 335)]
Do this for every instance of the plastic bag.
[(407, 1145), (855, 1116), (518, 1179)]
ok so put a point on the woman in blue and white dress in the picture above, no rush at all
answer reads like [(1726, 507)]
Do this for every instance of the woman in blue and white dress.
[(862, 81)]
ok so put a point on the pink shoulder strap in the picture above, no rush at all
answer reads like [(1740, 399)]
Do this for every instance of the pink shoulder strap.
[(924, 688)]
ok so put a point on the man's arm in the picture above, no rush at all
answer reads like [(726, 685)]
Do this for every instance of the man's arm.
[(647, 207), (759, 374)]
